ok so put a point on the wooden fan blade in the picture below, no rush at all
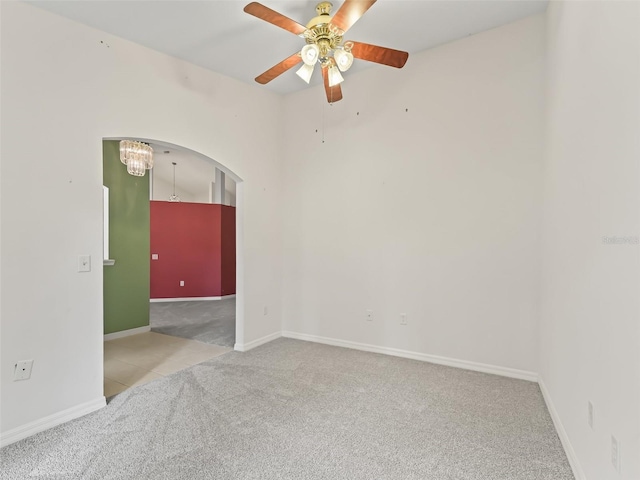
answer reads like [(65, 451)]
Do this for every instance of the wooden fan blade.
[(279, 69), (265, 13), (383, 55), (334, 94), (350, 12)]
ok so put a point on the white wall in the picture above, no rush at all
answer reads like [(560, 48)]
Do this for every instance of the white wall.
[(434, 212), (590, 335), (64, 88)]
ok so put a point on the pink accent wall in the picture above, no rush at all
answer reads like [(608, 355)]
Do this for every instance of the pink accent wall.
[(195, 243)]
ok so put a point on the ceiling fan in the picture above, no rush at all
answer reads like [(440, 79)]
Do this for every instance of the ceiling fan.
[(324, 44)]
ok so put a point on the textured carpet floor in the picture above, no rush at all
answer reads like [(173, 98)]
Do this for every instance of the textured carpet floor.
[(298, 410), (211, 321)]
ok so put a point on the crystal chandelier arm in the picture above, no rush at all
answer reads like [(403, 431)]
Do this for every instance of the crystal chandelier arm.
[(382, 55), (265, 13), (350, 12), (279, 69), (334, 94)]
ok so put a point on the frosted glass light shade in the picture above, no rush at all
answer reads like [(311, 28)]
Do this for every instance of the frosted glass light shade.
[(310, 54), (136, 155), (305, 72), (334, 76), (344, 59)]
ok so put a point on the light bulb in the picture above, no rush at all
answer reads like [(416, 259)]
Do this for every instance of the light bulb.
[(305, 72), (334, 76), (344, 59), (310, 54)]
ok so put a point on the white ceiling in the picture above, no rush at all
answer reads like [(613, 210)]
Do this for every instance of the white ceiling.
[(219, 36), (194, 173)]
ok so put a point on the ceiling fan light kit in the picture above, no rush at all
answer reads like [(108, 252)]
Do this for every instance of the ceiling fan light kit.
[(324, 37)]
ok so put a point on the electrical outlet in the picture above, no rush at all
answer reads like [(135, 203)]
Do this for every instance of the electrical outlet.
[(615, 453), (590, 414), (23, 370), (369, 315), (182, 283), (403, 319)]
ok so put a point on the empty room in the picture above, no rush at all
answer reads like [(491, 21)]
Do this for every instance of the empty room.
[(436, 207)]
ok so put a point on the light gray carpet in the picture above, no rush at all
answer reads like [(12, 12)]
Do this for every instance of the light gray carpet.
[(210, 321), (298, 410)]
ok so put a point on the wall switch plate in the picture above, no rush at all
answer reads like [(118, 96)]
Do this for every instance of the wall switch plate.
[(154, 256), (615, 453), (403, 319), (182, 283), (23, 370), (265, 311), (84, 263), (590, 414), (369, 315)]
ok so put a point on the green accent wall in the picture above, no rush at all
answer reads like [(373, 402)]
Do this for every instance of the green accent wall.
[(127, 283)]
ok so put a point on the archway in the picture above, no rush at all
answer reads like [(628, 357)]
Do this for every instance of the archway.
[(138, 188)]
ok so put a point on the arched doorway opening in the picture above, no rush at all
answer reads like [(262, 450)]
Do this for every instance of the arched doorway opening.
[(127, 281)]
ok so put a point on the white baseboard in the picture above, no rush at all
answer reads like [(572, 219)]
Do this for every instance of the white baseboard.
[(562, 433), (450, 362), (189, 299), (244, 347), (126, 333), (46, 423)]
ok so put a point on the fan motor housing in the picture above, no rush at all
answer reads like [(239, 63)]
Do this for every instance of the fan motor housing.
[(321, 32)]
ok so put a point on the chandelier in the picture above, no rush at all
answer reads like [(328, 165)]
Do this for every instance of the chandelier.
[(324, 46), (137, 156)]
